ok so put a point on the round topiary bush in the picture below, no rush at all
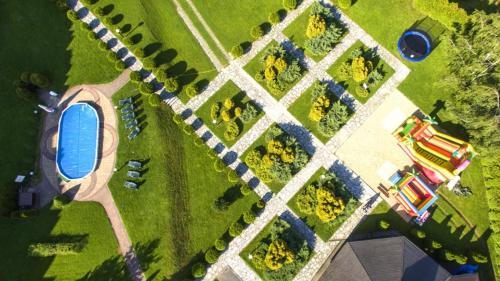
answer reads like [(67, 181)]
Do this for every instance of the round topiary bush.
[(108, 21), (211, 255), (191, 90), (345, 4), (245, 190), (198, 142), (149, 63), (72, 15), (237, 51), (135, 76), (177, 119), (188, 130), (260, 204), (102, 46), (146, 88), (99, 11), (232, 176), (91, 35), (235, 229), (212, 154), (420, 234), (59, 202), (140, 53), (120, 65), (112, 56), (256, 32), (248, 217), (274, 18), (88, 2), (129, 41), (290, 4), (171, 84), (220, 244), (198, 270), (219, 165)]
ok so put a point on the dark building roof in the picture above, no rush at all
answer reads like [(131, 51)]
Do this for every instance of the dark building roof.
[(385, 259)]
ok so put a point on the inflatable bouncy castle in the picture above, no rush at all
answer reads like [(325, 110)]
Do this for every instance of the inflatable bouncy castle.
[(439, 156)]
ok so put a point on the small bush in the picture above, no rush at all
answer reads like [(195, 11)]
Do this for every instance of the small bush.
[(171, 84), (259, 76), (232, 128), (88, 2), (177, 119), (146, 88), (53, 249), (212, 154), (140, 53), (188, 129), (191, 90), (435, 245), (108, 21), (232, 176), (72, 15), (220, 204), (99, 12), (149, 63), (345, 4), (362, 92), (112, 56), (198, 270), (256, 32), (359, 69), (129, 41), (235, 229), (290, 4), (316, 26), (479, 258), (383, 224), (198, 142), (344, 72), (420, 234), (211, 256), (84, 26), (220, 244), (120, 65), (91, 35), (59, 202), (245, 189), (274, 18), (219, 165), (237, 51), (136, 76), (260, 204), (248, 217), (249, 113), (102, 45)]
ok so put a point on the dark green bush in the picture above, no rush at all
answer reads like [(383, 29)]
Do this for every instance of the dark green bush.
[(274, 18), (120, 65), (198, 142), (220, 204), (146, 88), (245, 190), (220, 244), (290, 4), (237, 51), (235, 229), (232, 176), (135, 76), (72, 15), (177, 119), (99, 11), (52, 249), (345, 4), (256, 32), (198, 270), (219, 165), (334, 119), (211, 256)]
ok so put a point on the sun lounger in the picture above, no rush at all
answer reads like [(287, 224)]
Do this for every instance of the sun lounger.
[(134, 133), (124, 102), (127, 109), (133, 174), (128, 116), (130, 185), (131, 124), (134, 164)]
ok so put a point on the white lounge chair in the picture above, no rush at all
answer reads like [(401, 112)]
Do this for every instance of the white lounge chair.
[(133, 174), (130, 185), (134, 164)]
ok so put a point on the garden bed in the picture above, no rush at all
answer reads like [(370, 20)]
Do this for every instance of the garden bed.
[(241, 115), (322, 116), (358, 67), (276, 70), (278, 234), (322, 178), (275, 157), (322, 43)]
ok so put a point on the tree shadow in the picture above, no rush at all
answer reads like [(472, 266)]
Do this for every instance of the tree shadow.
[(108, 9), (126, 28), (152, 48), (136, 38), (233, 193), (116, 19), (165, 56), (177, 69)]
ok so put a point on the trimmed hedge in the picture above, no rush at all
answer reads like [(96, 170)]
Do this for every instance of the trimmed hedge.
[(290, 4), (52, 249), (443, 11), (237, 51), (220, 244), (345, 4), (136, 76), (211, 256), (198, 270)]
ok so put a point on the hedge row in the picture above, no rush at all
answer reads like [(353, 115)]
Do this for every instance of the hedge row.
[(446, 12)]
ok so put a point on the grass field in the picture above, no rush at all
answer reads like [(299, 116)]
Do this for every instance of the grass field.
[(300, 109), (100, 258), (231, 21), (240, 99), (351, 85), (325, 230), (162, 32), (173, 208)]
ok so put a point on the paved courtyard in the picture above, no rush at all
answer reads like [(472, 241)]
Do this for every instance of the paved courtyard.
[(345, 154)]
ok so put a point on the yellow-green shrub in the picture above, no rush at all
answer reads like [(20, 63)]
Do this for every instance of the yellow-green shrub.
[(316, 26), (278, 254)]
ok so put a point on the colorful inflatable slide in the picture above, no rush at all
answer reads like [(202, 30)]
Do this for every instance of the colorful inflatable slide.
[(414, 195), (439, 156)]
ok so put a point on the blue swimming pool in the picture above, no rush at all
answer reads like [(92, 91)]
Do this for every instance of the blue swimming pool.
[(77, 146)]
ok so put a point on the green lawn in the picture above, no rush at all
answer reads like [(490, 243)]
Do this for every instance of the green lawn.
[(265, 237), (296, 32), (231, 21), (173, 207), (325, 230), (77, 220), (240, 99), (300, 109), (254, 66), (351, 85), (444, 225), (156, 22), (260, 144)]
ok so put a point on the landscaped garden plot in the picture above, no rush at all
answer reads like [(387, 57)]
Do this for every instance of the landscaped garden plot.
[(279, 252), (231, 21), (324, 203), (320, 111), (360, 71), (230, 113), (168, 44), (275, 69), (78, 222), (316, 31), (275, 157), (175, 204)]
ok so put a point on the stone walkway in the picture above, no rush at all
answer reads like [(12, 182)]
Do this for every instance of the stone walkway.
[(276, 112)]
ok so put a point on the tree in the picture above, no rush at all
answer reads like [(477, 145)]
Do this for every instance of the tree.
[(220, 204), (473, 78), (232, 130), (359, 69), (316, 26), (278, 254), (329, 206)]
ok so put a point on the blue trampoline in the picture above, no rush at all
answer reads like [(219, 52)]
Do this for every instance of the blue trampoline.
[(414, 45), (77, 146)]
